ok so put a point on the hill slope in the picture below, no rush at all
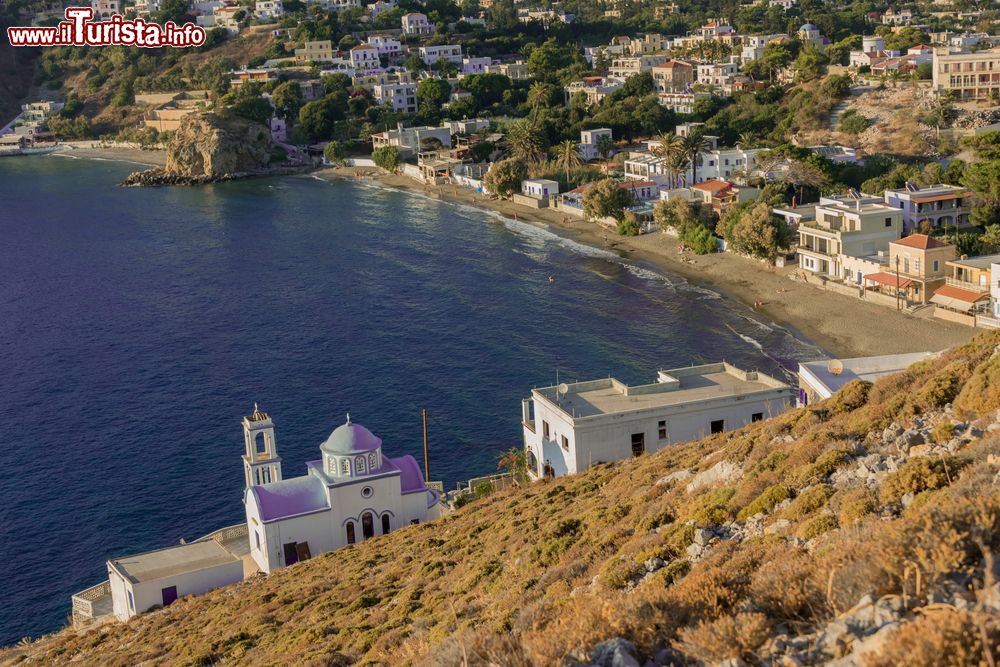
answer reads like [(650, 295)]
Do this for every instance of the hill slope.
[(861, 527)]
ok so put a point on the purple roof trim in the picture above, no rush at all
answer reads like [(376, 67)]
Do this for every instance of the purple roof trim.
[(290, 497), (411, 477)]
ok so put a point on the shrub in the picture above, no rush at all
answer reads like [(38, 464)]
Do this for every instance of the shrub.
[(657, 519), (673, 571), (854, 123), (766, 501), (855, 505), (851, 396), (808, 501), (617, 572), (386, 157), (942, 432), (919, 474), (817, 526), (550, 550), (727, 638), (711, 508), (822, 468)]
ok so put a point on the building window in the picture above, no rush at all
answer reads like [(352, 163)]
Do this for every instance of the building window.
[(638, 444), (351, 539), (131, 602), (256, 536), (545, 430), (888, 222), (359, 464), (564, 441), (662, 430), (345, 467), (367, 492), (368, 525), (414, 522), (757, 416), (372, 461), (936, 265), (385, 524), (718, 425)]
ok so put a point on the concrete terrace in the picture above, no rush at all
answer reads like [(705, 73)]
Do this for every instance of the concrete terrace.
[(674, 387)]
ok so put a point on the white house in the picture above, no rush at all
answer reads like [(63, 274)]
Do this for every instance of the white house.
[(401, 96), (268, 9), (416, 23), (386, 45), (364, 58), (475, 65), (158, 578), (589, 140), (539, 188), (570, 427), (105, 8), (450, 52), (381, 6), (352, 493)]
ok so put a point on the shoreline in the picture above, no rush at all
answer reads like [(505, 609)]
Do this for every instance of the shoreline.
[(90, 150), (841, 326)]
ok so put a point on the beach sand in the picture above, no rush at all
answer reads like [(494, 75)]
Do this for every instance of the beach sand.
[(93, 150), (841, 325)]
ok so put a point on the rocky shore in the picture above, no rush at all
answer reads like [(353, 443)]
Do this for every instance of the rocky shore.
[(160, 177)]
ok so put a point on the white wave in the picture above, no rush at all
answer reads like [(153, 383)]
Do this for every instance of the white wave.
[(752, 341)]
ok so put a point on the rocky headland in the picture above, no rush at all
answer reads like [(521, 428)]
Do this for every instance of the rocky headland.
[(214, 147)]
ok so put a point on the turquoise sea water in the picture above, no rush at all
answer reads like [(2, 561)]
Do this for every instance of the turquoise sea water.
[(137, 326)]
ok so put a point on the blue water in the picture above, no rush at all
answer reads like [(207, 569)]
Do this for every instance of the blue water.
[(137, 327)]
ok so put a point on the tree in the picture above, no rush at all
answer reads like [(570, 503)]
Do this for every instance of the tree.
[(387, 158), (504, 177), (605, 199), (334, 152), (628, 225), (673, 213), (317, 119), (539, 96), (246, 101), (810, 65), (692, 145), (433, 92), (990, 239), (525, 141), (757, 233), (605, 146), (287, 99), (567, 156), (414, 64)]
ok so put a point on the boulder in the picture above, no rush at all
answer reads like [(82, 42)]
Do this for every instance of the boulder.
[(615, 652), (213, 145), (721, 472)]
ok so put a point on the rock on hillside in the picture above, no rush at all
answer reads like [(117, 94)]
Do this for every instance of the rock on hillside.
[(861, 531), (215, 145)]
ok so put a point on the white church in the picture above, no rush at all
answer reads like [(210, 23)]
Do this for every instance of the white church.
[(352, 493)]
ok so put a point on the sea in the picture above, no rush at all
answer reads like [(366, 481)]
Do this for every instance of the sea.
[(138, 326)]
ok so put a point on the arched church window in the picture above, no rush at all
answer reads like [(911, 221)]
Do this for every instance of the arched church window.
[(359, 464), (260, 443), (385, 524), (345, 467), (368, 525), (350, 533), (372, 461)]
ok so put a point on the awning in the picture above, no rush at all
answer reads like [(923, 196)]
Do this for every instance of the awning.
[(957, 298), (889, 280)]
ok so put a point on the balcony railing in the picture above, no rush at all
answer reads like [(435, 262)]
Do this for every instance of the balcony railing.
[(83, 602), (966, 285)]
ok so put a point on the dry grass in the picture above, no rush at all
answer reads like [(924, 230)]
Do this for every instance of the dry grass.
[(509, 579)]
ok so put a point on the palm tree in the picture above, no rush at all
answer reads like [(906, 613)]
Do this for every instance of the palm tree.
[(670, 145), (567, 156), (525, 142), (746, 140), (676, 165), (692, 145), (538, 96)]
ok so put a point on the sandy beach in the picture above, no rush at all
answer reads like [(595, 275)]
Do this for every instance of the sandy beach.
[(121, 153), (841, 325)]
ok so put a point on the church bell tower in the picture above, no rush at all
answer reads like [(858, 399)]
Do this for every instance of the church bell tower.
[(261, 463)]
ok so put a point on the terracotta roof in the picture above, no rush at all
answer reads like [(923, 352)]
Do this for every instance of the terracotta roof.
[(921, 242), (888, 279), (636, 184), (959, 294), (713, 186)]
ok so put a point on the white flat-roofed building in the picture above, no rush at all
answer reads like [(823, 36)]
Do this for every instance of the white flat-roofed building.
[(623, 68), (365, 58), (268, 9), (570, 427), (539, 188), (590, 140), (476, 65), (386, 45), (450, 52), (401, 96), (158, 578), (819, 380)]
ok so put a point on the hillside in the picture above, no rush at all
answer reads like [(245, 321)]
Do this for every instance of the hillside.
[(863, 527)]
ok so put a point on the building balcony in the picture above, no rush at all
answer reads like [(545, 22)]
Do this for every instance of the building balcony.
[(966, 285), (822, 254), (92, 605)]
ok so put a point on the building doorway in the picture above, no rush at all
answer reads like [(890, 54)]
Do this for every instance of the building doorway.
[(351, 538), (291, 554), (718, 425), (638, 444), (368, 525), (169, 595), (385, 524)]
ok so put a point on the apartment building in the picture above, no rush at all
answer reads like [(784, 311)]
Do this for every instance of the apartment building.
[(321, 51), (623, 68), (416, 24), (589, 141), (595, 88), (673, 75), (936, 206), (401, 96), (385, 45), (846, 230), (915, 269), (970, 75), (364, 58), (450, 52)]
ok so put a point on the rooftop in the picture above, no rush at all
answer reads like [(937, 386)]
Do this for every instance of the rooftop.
[(921, 242), (673, 388), (173, 560), (860, 368)]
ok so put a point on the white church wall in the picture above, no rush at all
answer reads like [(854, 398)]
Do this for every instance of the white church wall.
[(313, 529)]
